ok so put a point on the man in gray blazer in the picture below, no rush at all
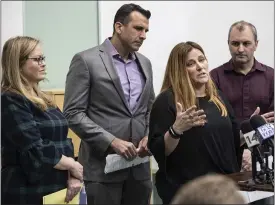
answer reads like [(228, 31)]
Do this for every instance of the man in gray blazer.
[(108, 97)]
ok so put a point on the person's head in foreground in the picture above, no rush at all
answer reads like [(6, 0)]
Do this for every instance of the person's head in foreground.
[(209, 189)]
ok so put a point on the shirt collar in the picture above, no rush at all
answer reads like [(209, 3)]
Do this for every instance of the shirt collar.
[(112, 50), (256, 66)]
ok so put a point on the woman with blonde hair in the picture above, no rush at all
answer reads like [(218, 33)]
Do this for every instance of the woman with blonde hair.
[(37, 156), (192, 129)]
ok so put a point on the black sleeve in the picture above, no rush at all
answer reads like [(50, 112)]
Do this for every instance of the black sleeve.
[(235, 127), (162, 117)]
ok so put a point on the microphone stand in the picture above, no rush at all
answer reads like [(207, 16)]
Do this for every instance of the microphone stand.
[(251, 183), (254, 164)]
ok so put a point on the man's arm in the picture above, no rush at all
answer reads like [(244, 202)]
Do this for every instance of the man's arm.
[(76, 101), (142, 147)]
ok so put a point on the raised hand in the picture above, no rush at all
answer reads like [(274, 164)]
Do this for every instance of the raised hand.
[(269, 116), (189, 118)]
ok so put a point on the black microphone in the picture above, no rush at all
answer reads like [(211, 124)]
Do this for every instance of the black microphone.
[(249, 134), (264, 130), (265, 134), (253, 145)]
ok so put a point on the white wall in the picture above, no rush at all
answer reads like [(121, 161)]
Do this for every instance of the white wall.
[(11, 20), (204, 22)]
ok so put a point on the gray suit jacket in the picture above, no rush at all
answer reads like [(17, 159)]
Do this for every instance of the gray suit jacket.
[(97, 111)]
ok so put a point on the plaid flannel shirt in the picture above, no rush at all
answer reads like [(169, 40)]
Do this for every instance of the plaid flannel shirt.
[(33, 142)]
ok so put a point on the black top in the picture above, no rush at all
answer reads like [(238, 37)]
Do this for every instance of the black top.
[(33, 142), (211, 148)]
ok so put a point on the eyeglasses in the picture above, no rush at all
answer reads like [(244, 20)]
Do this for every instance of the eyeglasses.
[(40, 60)]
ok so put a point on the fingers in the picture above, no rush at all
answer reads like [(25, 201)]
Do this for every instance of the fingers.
[(130, 151), (200, 121), (198, 113), (179, 107), (189, 118), (144, 142), (68, 197), (268, 114), (127, 155), (269, 117), (74, 186), (197, 117), (191, 109), (71, 193), (143, 150), (257, 111)]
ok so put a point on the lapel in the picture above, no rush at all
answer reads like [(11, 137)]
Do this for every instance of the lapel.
[(144, 69), (107, 60)]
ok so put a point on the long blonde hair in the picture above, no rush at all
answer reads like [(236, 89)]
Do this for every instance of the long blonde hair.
[(15, 53), (177, 78)]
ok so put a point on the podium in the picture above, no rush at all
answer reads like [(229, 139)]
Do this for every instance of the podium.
[(245, 182)]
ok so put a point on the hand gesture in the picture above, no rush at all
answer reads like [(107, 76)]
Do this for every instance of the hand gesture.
[(124, 148), (77, 170), (189, 118), (269, 116), (74, 186), (142, 149)]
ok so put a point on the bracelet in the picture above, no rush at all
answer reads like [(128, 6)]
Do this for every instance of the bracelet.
[(173, 134)]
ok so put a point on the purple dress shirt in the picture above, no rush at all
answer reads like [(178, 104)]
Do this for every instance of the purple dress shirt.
[(246, 92), (131, 78)]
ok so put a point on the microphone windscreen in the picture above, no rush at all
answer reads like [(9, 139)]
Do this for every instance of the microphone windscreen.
[(246, 127), (257, 121)]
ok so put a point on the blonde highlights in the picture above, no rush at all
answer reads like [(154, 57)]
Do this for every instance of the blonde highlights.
[(177, 78), (15, 53)]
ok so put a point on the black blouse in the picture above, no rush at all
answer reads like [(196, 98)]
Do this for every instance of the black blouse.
[(213, 147)]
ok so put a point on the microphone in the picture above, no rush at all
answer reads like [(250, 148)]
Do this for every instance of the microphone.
[(253, 145), (264, 130), (265, 134), (249, 134)]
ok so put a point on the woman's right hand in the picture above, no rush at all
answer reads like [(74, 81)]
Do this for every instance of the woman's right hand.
[(73, 188), (77, 170), (189, 118)]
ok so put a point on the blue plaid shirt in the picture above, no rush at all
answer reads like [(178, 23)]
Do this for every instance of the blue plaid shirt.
[(33, 142)]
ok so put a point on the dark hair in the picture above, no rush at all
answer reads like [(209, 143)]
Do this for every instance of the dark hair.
[(122, 14), (240, 25)]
